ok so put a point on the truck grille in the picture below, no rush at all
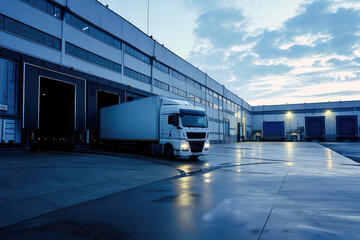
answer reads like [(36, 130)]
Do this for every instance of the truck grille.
[(196, 135), (196, 146)]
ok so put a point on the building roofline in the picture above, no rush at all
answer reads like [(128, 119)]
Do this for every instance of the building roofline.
[(298, 104), (151, 37)]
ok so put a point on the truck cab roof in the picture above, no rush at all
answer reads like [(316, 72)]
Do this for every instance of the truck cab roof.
[(171, 101)]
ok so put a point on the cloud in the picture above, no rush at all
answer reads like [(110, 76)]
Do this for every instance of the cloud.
[(320, 44), (337, 33), (223, 27)]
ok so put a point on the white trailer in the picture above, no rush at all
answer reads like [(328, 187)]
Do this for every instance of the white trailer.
[(168, 126)]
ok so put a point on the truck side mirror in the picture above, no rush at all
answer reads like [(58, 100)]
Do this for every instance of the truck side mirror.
[(173, 120)]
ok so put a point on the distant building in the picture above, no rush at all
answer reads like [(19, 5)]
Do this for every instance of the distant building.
[(327, 121)]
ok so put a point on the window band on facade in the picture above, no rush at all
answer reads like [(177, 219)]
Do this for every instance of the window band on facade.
[(161, 67), (178, 75), (161, 85), (92, 30), (193, 83), (193, 98), (91, 57), (136, 75), (47, 7), (27, 32), (136, 54), (178, 92)]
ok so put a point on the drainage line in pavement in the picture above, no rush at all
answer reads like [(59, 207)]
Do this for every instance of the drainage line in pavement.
[(268, 217)]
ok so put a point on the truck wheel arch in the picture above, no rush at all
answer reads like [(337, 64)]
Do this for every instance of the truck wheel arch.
[(168, 151)]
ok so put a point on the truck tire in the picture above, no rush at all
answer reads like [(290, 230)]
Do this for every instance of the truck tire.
[(169, 151)]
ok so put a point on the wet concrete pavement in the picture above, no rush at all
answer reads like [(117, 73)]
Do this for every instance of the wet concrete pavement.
[(347, 149), (239, 191), (36, 183)]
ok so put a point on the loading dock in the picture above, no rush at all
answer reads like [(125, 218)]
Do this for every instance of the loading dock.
[(346, 127), (54, 108), (56, 112), (105, 99), (315, 128), (273, 131)]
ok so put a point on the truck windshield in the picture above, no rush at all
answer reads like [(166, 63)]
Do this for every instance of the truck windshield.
[(193, 120)]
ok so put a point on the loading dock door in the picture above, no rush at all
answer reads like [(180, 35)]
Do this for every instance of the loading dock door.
[(346, 127), (315, 128), (105, 99), (274, 130), (57, 110)]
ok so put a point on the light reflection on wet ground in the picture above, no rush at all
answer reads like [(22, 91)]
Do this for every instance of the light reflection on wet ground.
[(239, 191)]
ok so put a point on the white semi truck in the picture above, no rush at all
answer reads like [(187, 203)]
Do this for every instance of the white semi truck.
[(174, 128)]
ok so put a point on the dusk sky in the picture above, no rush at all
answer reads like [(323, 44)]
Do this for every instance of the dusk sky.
[(267, 52)]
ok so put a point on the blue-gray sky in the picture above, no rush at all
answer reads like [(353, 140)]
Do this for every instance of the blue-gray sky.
[(267, 52)]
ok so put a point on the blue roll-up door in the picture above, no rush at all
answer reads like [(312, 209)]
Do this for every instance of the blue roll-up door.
[(346, 127), (273, 130), (315, 128)]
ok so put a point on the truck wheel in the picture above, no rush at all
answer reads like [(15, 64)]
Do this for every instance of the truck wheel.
[(169, 151)]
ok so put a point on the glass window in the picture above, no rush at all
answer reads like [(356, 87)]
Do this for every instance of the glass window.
[(57, 12), (188, 120), (193, 83), (137, 54), (161, 67), (91, 57), (161, 85), (136, 75), (92, 30), (57, 43), (43, 5), (50, 9), (9, 86), (49, 40), (28, 32), (178, 75), (178, 92), (46, 6), (203, 88), (2, 21)]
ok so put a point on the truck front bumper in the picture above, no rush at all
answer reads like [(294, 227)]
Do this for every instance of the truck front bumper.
[(189, 153)]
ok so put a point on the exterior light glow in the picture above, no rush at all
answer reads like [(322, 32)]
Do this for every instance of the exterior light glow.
[(184, 146), (289, 113), (328, 111), (207, 145)]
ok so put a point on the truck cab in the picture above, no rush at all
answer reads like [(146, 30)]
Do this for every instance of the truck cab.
[(183, 129)]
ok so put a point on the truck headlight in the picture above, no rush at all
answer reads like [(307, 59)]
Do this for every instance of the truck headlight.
[(207, 145), (184, 146)]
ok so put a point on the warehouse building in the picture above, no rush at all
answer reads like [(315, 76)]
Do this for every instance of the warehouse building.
[(328, 121), (60, 62)]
